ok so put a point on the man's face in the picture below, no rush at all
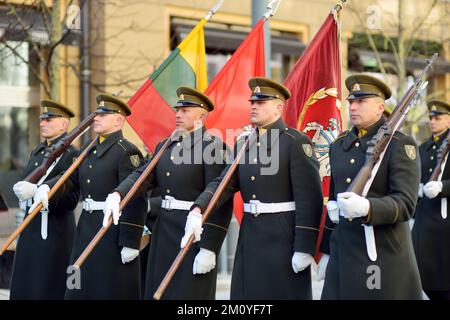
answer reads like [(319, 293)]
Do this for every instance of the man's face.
[(264, 112), (439, 123), (189, 118), (53, 127), (364, 112), (105, 123)]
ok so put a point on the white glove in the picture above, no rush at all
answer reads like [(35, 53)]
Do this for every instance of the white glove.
[(193, 227), (112, 204), (40, 196), (322, 267), (300, 261), (420, 193), (24, 190), (352, 205), (128, 254), (432, 189), (204, 261), (333, 211), (411, 223)]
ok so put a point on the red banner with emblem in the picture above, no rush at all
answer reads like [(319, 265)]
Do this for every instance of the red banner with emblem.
[(314, 108)]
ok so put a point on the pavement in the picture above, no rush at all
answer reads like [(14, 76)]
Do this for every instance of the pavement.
[(224, 281), (222, 292)]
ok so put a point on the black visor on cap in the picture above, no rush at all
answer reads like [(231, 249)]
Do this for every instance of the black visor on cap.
[(436, 113), (261, 96), (48, 115), (104, 110), (361, 95), (187, 104)]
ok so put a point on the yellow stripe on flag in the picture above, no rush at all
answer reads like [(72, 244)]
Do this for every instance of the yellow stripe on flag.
[(192, 49)]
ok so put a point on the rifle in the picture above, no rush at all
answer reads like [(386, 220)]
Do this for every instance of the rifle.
[(54, 151), (87, 251), (441, 159), (377, 146), (55, 188), (212, 203)]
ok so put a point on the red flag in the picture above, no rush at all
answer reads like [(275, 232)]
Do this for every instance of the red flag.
[(230, 92), (314, 107)]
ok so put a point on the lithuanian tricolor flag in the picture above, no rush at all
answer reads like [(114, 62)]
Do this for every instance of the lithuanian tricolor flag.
[(153, 116)]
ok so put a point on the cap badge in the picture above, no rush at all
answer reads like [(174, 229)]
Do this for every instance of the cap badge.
[(102, 103), (257, 89), (181, 96), (356, 87)]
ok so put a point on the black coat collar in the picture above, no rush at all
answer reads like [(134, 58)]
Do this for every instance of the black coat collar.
[(273, 133), (193, 137), (43, 145), (352, 135), (430, 142), (108, 143)]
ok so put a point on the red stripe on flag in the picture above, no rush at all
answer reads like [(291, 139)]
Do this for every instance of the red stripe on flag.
[(151, 116)]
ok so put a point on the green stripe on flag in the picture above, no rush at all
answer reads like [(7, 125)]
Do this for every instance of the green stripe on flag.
[(173, 73)]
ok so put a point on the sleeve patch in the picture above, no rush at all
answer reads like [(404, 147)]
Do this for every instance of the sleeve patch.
[(135, 161), (307, 149), (411, 151)]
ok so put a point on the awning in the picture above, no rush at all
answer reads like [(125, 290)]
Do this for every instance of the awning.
[(368, 58), (229, 40)]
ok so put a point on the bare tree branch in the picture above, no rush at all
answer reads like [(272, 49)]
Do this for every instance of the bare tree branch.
[(25, 28), (372, 44), (419, 26), (32, 69)]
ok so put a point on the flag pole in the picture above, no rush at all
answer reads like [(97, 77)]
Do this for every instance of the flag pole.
[(211, 12), (338, 6), (270, 9)]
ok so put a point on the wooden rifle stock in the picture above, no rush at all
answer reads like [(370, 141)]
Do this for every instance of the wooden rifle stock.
[(59, 148), (53, 190), (182, 254), (87, 251)]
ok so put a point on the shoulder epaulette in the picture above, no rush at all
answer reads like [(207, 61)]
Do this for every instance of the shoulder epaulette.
[(292, 133), (341, 135), (208, 137)]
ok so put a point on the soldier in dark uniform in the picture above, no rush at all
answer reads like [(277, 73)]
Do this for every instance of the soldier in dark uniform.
[(390, 203), (280, 185), (191, 161), (112, 270), (431, 231), (43, 249)]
